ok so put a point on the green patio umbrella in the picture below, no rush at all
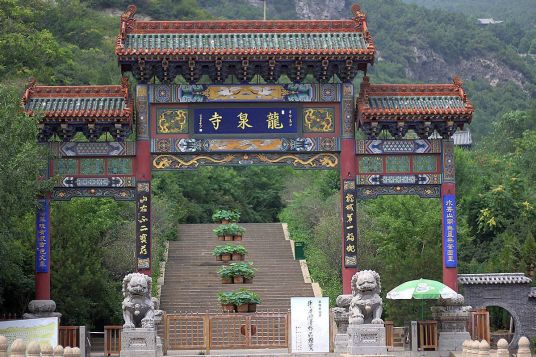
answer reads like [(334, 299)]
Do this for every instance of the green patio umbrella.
[(421, 289)]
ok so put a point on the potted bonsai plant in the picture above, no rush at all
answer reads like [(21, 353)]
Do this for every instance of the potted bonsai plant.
[(226, 274), (237, 273), (220, 232), (229, 252), (226, 299), (243, 298), (237, 231), (223, 252), (238, 252)]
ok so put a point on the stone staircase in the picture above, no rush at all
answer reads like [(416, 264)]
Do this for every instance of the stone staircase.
[(191, 282)]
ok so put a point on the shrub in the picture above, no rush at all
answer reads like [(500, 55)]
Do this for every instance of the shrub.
[(225, 215), (243, 269), (239, 297), (229, 249), (226, 298)]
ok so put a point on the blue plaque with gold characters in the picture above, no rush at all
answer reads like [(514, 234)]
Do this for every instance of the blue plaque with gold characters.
[(246, 120)]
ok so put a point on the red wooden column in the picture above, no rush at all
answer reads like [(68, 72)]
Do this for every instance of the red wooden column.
[(449, 220), (348, 173), (142, 169), (42, 250)]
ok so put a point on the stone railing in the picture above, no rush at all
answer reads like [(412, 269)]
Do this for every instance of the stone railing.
[(482, 349), (19, 349)]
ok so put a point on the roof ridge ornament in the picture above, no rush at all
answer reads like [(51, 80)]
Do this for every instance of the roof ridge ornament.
[(29, 90)]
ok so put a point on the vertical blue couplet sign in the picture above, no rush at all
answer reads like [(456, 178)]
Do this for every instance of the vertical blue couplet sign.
[(449, 231), (42, 236)]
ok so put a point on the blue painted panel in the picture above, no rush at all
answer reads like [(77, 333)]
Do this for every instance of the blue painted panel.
[(449, 231), (246, 120), (42, 239)]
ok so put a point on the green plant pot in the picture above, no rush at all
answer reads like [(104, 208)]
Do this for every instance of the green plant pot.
[(224, 221), (218, 257), (237, 257), (227, 280), (226, 257), (242, 308), (237, 237), (252, 307), (228, 308), (228, 238), (238, 280), (248, 281), (222, 238)]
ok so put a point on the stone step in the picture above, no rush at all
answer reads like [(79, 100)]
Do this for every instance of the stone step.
[(192, 282)]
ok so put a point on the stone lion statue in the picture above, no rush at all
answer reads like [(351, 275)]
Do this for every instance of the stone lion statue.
[(138, 307), (366, 305)]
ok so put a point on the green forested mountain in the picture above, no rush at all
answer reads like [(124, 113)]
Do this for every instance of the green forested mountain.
[(72, 42), (520, 11)]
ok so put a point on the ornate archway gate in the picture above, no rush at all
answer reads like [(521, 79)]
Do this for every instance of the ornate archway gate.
[(306, 126)]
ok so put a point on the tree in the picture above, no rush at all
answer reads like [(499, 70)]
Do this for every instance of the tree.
[(21, 163)]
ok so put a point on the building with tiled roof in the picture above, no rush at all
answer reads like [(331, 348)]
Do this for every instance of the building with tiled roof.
[(244, 48), (493, 278), (423, 108), (91, 110)]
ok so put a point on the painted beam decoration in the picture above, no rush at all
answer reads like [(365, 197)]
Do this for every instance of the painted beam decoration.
[(207, 93), (104, 148), (143, 225), (423, 191), (42, 237), (119, 194), (349, 221), (192, 145), (245, 120), (449, 231), (298, 161)]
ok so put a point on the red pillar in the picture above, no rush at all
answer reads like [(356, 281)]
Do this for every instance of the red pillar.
[(142, 167), (42, 250), (448, 202), (348, 172)]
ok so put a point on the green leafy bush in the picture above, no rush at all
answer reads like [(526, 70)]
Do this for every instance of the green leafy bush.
[(226, 298), (225, 215), (229, 229), (239, 297), (229, 249), (242, 269)]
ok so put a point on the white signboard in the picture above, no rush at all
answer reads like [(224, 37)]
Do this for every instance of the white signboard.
[(39, 330), (309, 324)]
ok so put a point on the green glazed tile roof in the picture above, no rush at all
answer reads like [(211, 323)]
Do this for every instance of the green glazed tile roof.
[(317, 42), (76, 104), (415, 102)]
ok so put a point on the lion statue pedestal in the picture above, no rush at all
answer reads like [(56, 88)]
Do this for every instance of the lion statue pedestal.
[(366, 331), (138, 338)]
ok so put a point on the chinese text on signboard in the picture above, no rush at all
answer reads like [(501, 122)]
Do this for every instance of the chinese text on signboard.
[(245, 120), (349, 224), (143, 225), (449, 234), (42, 237)]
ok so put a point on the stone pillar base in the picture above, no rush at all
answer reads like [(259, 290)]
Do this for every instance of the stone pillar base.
[(366, 339), (41, 309), (452, 341), (140, 342), (341, 343)]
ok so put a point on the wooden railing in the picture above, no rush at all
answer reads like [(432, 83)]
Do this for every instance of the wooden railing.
[(427, 334), (112, 340), (69, 336), (389, 336), (478, 325), (206, 331)]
